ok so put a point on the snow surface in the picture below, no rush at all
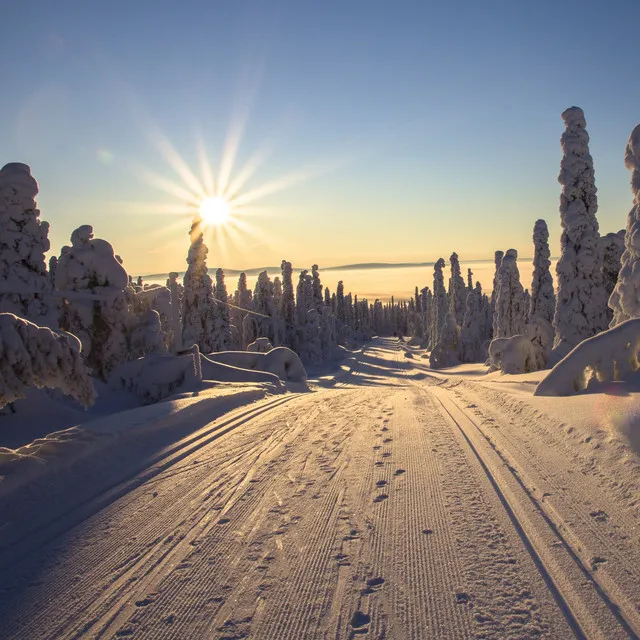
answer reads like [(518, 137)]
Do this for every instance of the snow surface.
[(402, 502)]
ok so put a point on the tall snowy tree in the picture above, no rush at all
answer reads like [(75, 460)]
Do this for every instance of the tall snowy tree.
[(175, 317), (24, 239), (288, 310), (582, 300), (543, 297), (497, 258), (440, 306), (100, 317), (612, 246), (221, 337), (242, 302), (197, 303), (457, 290), (472, 332), (317, 289), (469, 280), (510, 312), (625, 299)]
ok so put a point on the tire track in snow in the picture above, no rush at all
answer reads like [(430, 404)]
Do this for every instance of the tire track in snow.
[(153, 540), (601, 542), (589, 611)]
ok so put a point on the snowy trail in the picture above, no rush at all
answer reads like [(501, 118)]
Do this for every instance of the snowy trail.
[(382, 508)]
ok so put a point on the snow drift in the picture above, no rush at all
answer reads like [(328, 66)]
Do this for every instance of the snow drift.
[(608, 356)]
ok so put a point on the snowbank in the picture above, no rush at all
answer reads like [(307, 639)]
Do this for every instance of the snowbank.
[(110, 435), (609, 356), (155, 376), (282, 361)]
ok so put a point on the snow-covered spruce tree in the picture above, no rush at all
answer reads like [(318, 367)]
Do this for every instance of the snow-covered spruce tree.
[(311, 345), (510, 313), (440, 306), (612, 246), (457, 290), (197, 303), (581, 307), (497, 258), (24, 239), (445, 352), (90, 268), (176, 291), (241, 301), (221, 338), (288, 307), (472, 331), (33, 356), (327, 297), (426, 305), (147, 336), (259, 324), (340, 309), (543, 297), (469, 281), (317, 289), (625, 299)]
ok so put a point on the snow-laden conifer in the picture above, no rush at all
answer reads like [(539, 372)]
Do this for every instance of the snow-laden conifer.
[(457, 290), (288, 307), (625, 299), (197, 303), (612, 246), (221, 339), (440, 306), (472, 332), (510, 311), (497, 258), (581, 301), (543, 297), (99, 316), (24, 240)]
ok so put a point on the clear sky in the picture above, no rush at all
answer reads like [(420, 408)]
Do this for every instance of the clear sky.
[(378, 131)]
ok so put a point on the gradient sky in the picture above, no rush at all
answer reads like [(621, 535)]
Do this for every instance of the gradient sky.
[(400, 131)]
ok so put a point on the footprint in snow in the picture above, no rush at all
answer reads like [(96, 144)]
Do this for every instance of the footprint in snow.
[(381, 483), (599, 516), (373, 585), (399, 472), (360, 622), (381, 497)]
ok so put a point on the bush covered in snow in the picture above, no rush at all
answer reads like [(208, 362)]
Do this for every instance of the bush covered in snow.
[(525, 352), (261, 345), (445, 352), (155, 376), (609, 356), (33, 356), (286, 364)]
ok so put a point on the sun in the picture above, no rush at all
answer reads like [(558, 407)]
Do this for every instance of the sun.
[(215, 210)]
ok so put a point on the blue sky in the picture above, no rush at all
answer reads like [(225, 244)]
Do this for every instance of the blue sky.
[(419, 128)]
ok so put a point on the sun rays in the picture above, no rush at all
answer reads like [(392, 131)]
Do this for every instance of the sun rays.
[(229, 201)]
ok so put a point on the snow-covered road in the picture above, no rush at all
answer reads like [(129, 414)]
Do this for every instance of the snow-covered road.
[(394, 505)]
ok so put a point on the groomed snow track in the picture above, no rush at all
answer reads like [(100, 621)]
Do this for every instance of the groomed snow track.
[(590, 612), (385, 507)]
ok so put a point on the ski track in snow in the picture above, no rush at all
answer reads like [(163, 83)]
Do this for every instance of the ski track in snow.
[(392, 506)]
